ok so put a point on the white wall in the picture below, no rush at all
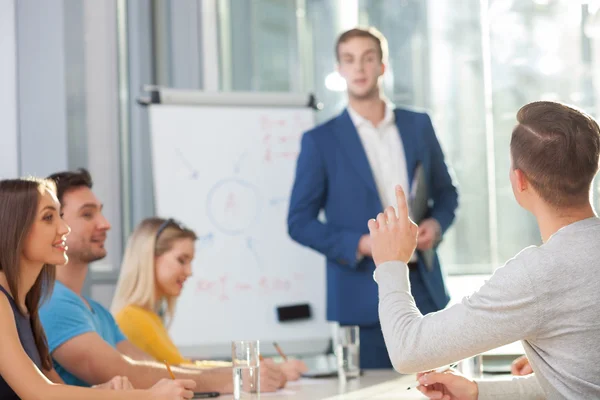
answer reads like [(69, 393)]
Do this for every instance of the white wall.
[(59, 104), (9, 160), (42, 106)]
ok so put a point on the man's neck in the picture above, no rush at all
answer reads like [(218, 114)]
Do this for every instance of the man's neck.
[(551, 221), (371, 108), (72, 275)]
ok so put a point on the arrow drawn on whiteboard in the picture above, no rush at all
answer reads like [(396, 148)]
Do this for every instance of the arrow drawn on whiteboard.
[(191, 169), (250, 245), (238, 163), (206, 239)]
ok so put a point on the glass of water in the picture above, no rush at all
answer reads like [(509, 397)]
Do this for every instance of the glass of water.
[(245, 356), (347, 351), (472, 367)]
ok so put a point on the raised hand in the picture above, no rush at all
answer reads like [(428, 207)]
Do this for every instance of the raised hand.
[(393, 237)]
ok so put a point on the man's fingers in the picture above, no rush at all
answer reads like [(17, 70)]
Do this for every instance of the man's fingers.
[(273, 378), (526, 370), (436, 377), (402, 205), (430, 392), (381, 220), (519, 362), (272, 384), (414, 229), (424, 235), (390, 215), (187, 384), (522, 370), (519, 366), (373, 225), (301, 366), (117, 383)]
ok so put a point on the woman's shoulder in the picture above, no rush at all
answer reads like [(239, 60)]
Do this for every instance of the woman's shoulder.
[(135, 314), (7, 314), (5, 296), (5, 304)]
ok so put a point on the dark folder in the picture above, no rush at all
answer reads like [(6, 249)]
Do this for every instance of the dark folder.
[(418, 203)]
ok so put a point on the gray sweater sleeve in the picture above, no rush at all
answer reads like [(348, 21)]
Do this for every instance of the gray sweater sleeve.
[(517, 388), (505, 309)]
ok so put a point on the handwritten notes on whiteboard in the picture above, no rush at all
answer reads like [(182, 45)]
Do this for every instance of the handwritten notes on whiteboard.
[(227, 173)]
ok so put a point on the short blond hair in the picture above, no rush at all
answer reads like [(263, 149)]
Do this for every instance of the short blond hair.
[(137, 282)]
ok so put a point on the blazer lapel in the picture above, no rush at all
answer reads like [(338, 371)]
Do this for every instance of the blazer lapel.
[(351, 144), (408, 133)]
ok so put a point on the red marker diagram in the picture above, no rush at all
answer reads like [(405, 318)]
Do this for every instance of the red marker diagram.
[(233, 205), (280, 139)]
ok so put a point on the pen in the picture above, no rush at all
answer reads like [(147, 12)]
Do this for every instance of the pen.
[(438, 370), (205, 395), (279, 351), (169, 369)]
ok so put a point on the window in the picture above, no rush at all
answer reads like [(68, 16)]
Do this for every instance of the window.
[(472, 75), (258, 45), (470, 68)]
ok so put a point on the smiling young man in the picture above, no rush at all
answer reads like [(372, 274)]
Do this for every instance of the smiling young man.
[(347, 168), (84, 340)]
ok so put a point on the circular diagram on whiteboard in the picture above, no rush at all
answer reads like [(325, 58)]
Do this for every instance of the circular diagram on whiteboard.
[(233, 205)]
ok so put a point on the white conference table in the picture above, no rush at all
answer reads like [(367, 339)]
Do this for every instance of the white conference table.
[(367, 386), (317, 389)]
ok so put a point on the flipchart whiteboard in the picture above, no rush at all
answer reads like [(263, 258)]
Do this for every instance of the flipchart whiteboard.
[(226, 172)]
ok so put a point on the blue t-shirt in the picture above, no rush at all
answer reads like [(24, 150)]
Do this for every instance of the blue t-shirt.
[(65, 316)]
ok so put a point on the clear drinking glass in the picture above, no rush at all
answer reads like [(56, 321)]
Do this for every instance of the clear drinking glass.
[(471, 367), (348, 351), (245, 355)]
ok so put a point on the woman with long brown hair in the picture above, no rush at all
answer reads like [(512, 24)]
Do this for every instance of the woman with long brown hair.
[(32, 242)]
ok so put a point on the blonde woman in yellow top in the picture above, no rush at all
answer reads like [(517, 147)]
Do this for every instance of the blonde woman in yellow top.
[(157, 262)]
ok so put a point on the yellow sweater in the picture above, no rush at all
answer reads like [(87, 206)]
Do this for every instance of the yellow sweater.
[(146, 330)]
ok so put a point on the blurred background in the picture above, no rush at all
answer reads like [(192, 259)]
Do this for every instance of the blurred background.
[(72, 70)]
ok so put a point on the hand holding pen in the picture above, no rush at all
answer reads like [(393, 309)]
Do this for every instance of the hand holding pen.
[(440, 370), (198, 395), (447, 385)]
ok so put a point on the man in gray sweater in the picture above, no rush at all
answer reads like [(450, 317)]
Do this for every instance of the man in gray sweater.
[(546, 296)]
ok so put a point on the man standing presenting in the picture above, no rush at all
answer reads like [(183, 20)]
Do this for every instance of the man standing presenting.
[(348, 167)]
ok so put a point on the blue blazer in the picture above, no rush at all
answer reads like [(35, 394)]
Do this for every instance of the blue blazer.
[(333, 174)]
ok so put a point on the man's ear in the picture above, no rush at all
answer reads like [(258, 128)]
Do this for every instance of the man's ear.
[(521, 180)]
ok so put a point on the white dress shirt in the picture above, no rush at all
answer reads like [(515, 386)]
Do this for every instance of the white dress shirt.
[(385, 153)]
